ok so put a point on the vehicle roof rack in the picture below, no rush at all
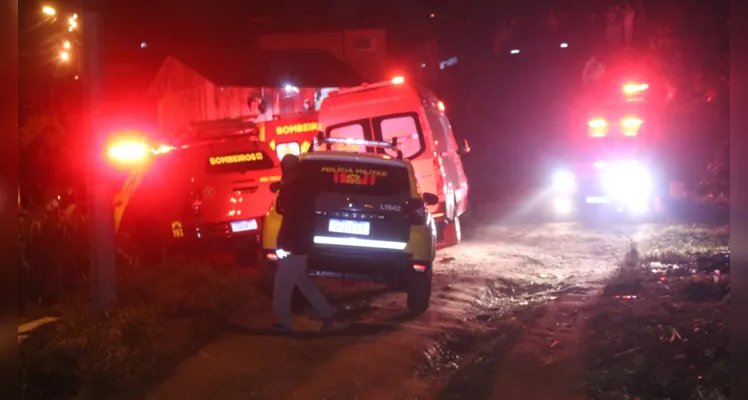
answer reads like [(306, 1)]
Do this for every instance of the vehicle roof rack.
[(328, 142), (224, 128)]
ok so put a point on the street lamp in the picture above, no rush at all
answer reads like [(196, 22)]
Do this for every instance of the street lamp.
[(65, 56), (49, 10), (66, 45)]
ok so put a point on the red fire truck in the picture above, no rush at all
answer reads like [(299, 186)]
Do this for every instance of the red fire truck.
[(614, 164), (291, 134)]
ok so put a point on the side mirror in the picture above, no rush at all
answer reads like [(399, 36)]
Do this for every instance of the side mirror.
[(275, 187), (465, 148), (431, 199)]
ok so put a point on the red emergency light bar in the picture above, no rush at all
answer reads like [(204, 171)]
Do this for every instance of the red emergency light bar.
[(320, 140), (634, 88)]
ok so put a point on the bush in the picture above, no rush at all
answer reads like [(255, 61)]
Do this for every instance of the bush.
[(53, 247)]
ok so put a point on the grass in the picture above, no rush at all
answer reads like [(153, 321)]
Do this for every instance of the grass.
[(661, 334), (165, 315)]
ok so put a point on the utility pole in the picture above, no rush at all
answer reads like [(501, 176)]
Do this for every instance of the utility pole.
[(103, 276)]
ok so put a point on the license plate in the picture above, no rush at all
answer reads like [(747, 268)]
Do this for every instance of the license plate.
[(350, 227), (596, 200), (243, 226)]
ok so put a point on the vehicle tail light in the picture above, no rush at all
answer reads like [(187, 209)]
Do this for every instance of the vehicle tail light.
[(398, 80), (631, 126), (598, 127), (440, 106), (420, 267), (271, 256), (441, 181), (417, 212)]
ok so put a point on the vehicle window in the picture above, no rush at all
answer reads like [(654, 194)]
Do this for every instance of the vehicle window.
[(353, 131), (451, 140), (287, 148), (252, 160), (407, 133), (437, 129), (356, 177)]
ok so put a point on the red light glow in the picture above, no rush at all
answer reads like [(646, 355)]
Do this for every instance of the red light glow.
[(128, 151), (633, 88)]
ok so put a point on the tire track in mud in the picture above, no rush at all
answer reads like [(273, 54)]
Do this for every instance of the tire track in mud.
[(539, 357), (485, 291)]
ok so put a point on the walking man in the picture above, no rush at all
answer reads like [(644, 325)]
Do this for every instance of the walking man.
[(296, 202)]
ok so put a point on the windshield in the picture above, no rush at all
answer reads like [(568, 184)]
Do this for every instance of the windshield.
[(361, 178), (405, 127), (407, 131)]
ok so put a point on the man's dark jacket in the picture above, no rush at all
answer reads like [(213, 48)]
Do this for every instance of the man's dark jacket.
[(296, 202)]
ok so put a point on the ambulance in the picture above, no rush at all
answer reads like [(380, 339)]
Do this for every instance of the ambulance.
[(416, 117)]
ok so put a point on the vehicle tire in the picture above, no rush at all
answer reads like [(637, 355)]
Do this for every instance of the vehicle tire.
[(266, 276), (419, 293), (452, 232)]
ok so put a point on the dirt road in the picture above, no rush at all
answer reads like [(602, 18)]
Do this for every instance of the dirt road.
[(507, 308)]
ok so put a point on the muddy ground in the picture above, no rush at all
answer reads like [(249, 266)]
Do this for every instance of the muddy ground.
[(506, 322)]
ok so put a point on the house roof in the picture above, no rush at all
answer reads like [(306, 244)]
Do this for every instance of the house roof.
[(252, 68)]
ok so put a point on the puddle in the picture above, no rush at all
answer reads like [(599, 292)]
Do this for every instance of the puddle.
[(445, 352)]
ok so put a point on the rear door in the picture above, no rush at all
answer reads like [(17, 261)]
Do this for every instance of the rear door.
[(232, 180), (360, 200)]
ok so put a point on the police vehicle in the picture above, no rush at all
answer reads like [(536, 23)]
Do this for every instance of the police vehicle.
[(372, 221)]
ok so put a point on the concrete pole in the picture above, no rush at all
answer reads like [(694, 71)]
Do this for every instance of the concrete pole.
[(103, 276)]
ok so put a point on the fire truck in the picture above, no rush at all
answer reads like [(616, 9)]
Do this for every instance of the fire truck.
[(290, 134), (614, 162), (209, 191)]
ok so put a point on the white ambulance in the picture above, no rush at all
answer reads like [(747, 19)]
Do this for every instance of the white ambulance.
[(415, 116)]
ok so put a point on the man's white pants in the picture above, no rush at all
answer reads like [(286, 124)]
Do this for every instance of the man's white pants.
[(292, 272)]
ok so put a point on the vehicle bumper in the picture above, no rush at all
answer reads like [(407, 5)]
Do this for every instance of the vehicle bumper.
[(218, 234), (571, 205), (374, 265)]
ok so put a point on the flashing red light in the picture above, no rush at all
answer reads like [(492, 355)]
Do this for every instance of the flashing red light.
[(163, 149), (440, 106), (128, 151), (398, 80), (633, 88), (598, 127), (631, 126)]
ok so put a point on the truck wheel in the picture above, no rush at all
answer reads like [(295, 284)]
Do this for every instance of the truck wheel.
[(419, 293), (452, 232)]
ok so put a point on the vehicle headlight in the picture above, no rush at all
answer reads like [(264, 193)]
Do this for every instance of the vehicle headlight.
[(563, 181), (628, 182)]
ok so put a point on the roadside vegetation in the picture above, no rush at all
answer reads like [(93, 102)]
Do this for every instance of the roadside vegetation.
[(166, 314), (661, 329)]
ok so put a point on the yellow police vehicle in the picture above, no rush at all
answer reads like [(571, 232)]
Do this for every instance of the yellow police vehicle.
[(372, 221)]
